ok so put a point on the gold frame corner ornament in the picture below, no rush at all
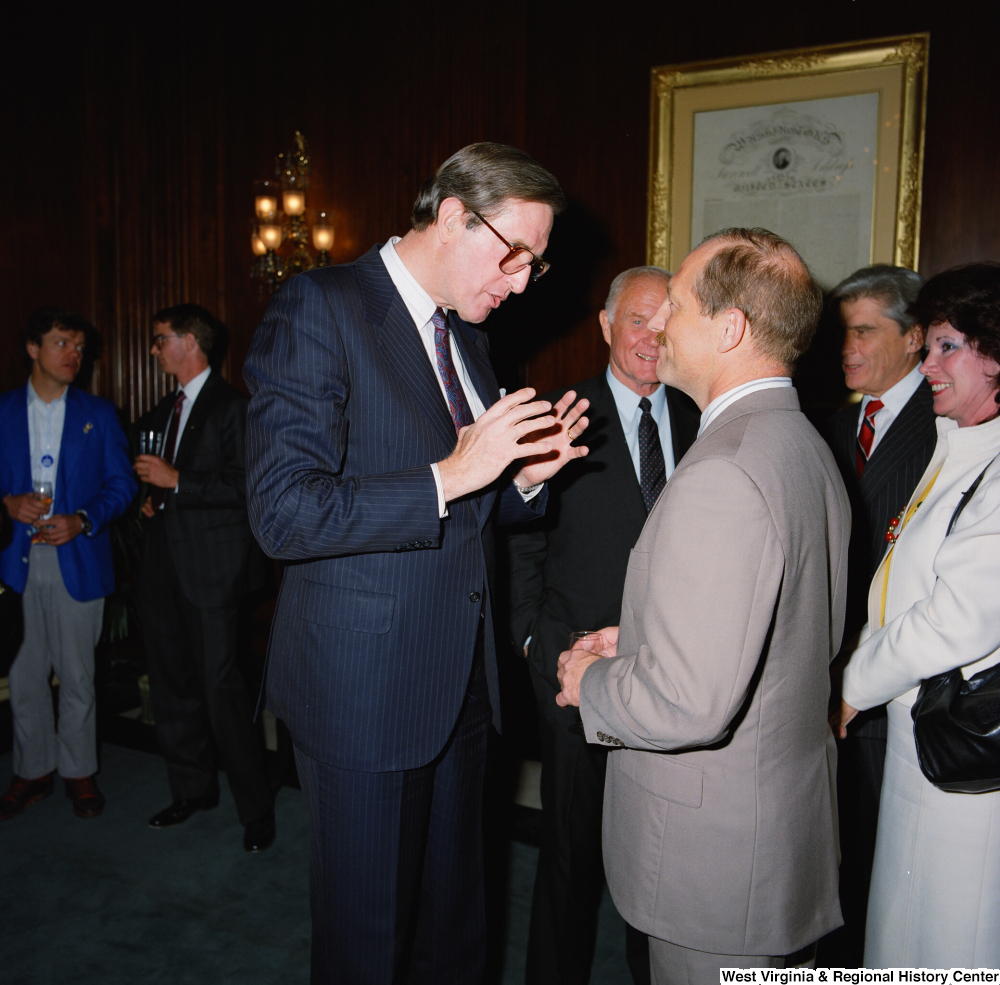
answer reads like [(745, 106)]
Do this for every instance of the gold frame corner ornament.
[(908, 53)]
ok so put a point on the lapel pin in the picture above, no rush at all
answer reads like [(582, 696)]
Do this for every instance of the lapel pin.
[(87, 427)]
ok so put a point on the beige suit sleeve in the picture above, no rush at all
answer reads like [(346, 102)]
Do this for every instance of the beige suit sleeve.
[(715, 568)]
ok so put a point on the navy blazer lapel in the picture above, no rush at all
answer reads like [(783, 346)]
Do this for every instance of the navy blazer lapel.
[(76, 432), (400, 343), (472, 349), (196, 419)]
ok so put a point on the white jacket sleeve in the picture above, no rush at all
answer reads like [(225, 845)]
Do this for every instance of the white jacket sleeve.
[(956, 625)]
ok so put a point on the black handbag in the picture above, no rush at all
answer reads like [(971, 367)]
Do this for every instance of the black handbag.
[(956, 722)]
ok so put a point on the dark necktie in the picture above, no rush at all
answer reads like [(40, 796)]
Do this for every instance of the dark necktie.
[(458, 404), (866, 436), (652, 470), (157, 494)]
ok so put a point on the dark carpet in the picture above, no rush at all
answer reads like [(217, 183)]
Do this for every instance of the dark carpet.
[(112, 901)]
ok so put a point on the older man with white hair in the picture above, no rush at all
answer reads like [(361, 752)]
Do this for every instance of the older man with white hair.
[(639, 429)]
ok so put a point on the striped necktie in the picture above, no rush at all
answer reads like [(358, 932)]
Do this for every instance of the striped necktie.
[(458, 404), (866, 436)]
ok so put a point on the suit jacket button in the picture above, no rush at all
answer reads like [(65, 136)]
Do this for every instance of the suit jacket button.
[(474, 596)]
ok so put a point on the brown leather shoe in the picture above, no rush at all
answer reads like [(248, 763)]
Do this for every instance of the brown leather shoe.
[(23, 793), (88, 801)]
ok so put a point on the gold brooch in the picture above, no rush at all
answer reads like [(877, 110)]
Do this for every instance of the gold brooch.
[(87, 427)]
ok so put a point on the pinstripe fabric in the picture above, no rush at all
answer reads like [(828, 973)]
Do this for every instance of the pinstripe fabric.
[(884, 487), (375, 627), (364, 895), (372, 660)]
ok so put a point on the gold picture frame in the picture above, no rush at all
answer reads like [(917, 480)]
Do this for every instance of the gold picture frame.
[(781, 104)]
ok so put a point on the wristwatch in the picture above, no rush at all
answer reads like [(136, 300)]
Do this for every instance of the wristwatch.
[(85, 520)]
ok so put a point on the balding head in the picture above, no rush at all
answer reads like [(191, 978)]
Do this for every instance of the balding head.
[(763, 276)]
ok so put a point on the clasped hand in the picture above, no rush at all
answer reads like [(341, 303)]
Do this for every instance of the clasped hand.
[(515, 428), (56, 530), (574, 663)]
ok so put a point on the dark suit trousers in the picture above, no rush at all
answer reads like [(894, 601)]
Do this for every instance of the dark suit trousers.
[(197, 690), (396, 862), (569, 880), (860, 764)]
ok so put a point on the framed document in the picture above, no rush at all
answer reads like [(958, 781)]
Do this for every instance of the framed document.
[(823, 146)]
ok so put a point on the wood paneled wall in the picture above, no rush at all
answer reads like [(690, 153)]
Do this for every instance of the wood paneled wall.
[(133, 134)]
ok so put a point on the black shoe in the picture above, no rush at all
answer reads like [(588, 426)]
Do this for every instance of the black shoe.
[(259, 834), (180, 810)]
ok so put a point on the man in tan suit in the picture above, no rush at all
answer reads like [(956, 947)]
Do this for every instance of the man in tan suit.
[(719, 811)]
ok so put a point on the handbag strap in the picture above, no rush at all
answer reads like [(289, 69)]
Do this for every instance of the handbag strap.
[(967, 496)]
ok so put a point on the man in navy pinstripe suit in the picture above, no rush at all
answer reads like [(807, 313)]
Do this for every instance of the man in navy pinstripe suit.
[(882, 445), (380, 454)]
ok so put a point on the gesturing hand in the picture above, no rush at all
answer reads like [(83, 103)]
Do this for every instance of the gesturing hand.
[(567, 424), (487, 447), (156, 471)]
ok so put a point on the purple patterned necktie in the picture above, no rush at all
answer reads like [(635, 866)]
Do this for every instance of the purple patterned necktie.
[(458, 405)]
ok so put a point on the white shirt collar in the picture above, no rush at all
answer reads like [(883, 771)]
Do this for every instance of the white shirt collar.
[(418, 302), (193, 387), (896, 397), (724, 400), (34, 398), (627, 401)]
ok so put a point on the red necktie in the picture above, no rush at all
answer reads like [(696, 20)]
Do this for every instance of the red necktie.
[(157, 494), (866, 436)]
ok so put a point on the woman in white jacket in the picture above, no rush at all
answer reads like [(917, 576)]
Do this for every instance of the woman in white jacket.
[(934, 605)]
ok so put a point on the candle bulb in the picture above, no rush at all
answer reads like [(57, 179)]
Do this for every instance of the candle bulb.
[(270, 235), (294, 202), (323, 237), (257, 245), (265, 206)]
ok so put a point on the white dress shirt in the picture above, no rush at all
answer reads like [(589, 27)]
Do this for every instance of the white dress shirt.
[(45, 428), (894, 400), (421, 307), (717, 406), (627, 402)]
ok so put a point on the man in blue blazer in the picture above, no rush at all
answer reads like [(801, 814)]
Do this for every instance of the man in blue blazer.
[(57, 554), (380, 454)]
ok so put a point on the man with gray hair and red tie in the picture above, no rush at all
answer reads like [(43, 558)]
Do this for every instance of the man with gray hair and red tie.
[(882, 445)]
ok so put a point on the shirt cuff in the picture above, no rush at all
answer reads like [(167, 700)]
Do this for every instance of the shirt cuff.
[(531, 491), (442, 505)]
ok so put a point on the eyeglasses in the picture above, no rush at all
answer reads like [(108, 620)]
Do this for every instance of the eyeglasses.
[(519, 257), (158, 340)]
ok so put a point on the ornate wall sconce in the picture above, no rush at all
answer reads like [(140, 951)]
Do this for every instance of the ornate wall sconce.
[(273, 226)]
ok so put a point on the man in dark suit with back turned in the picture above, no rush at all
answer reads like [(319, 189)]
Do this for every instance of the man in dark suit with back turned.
[(197, 563), (567, 574), (882, 445), (382, 659)]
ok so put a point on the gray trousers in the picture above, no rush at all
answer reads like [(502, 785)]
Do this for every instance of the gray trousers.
[(59, 635), (671, 964)]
